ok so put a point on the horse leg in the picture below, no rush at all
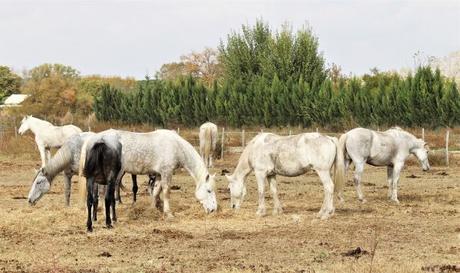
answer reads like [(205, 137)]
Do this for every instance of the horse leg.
[(41, 149), (390, 180), (67, 188), (155, 193), (277, 208), (96, 188), (359, 167), (165, 181), (396, 172), (89, 202), (327, 209), (135, 187), (260, 177), (109, 200), (118, 186), (48, 154)]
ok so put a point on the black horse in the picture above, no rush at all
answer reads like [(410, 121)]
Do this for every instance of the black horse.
[(102, 166)]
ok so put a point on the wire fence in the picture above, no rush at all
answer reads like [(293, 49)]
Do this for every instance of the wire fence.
[(231, 140)]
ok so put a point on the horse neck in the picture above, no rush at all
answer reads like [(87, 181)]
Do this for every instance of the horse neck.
[(243, 168), (36, 124), (60, 161), (409, 139), (193, 162)]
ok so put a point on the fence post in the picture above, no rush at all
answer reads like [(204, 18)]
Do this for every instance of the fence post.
[(242, 138), (447, 148), (290, 133), (423, 134), (15, 128), (222, 144), (178, 130)]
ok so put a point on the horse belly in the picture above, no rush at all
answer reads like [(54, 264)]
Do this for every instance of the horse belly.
[(290, 167)]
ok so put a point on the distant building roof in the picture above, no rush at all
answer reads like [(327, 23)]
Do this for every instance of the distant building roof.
[(14, 100)]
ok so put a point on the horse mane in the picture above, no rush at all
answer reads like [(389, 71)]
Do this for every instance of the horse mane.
[(40, 120), (399, 132), (193, 162), (60, 161)]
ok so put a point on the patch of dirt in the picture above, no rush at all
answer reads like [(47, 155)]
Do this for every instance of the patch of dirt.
[(356, 253), (445, 268), (173, 234)]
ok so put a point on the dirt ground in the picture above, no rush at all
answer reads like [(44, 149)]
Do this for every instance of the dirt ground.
[(421, 234)]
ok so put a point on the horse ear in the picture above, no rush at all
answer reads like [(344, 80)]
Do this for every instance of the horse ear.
[(207, 177)]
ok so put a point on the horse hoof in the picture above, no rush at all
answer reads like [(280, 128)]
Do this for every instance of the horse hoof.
[(363, 201), (261, 212), (277, 211), (396, 201), (169, 216), (90, 229), (109, 226)]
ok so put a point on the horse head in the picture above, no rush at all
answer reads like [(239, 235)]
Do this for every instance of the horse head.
[(420, 150), (237, 191), (40, 186), (24, 125), (205, 193)]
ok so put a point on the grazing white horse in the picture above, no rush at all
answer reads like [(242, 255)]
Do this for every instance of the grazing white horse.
[(66, 159), (208, 141), (161, 152), (269, 154), (390, 148), (47, 135)]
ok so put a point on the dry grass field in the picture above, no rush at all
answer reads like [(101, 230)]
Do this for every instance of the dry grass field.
[(422, 234)]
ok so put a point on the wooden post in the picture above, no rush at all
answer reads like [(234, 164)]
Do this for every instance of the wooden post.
[(447, 148), (242, 138), (222, 144), (178, 130), (423, 134), (290, 132)]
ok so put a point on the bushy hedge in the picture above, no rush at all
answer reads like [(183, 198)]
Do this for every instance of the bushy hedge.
[(380, 99)]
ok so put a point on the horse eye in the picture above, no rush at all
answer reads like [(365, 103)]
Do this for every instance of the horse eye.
[(209, 191)]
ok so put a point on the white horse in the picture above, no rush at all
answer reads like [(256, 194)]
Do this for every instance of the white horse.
[(208, 141), (269, 154), (47, 135), (161, 152), (390, 148), (66, 159)]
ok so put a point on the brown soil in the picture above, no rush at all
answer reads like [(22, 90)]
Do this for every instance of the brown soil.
[(420, 234)]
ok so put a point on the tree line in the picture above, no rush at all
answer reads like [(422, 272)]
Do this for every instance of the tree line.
[(380, 99)]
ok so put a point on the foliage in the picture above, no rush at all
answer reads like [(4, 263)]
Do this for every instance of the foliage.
[(9, 82), (258, 51), (377, 99), (203, 66)]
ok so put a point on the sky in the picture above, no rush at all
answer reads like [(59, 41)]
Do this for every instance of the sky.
[(134, 38)]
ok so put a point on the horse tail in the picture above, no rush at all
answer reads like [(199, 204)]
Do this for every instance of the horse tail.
[(207, 144), (339, 175), (81, 166)]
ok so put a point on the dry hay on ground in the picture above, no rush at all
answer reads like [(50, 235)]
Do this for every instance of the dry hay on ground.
[(422, 234)]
